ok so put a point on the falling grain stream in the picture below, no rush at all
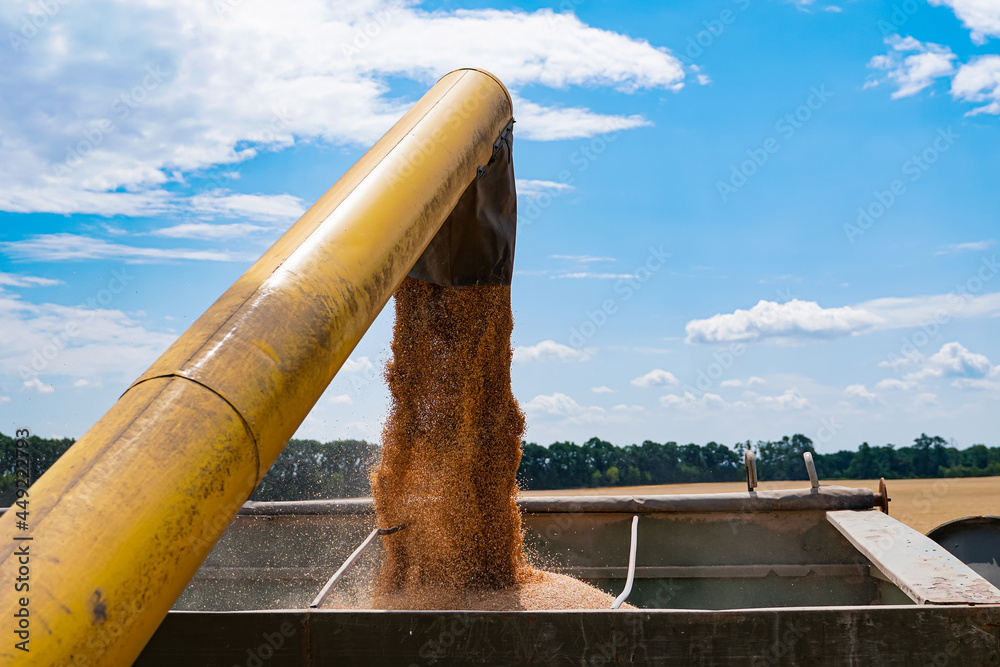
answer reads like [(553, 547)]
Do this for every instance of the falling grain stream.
[(450, 451)]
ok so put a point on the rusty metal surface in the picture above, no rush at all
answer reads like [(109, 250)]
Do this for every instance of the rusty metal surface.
[(882, 498), (913, 562)]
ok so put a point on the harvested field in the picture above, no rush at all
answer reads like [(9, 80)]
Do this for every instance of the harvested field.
[(922, 504)]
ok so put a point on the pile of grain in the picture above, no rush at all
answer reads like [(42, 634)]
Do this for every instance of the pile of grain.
[(536, 590), (450, 451)]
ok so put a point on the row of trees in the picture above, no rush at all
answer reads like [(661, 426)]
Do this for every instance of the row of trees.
[(310, 469), (305, 470), (565, 465), (44, 452)]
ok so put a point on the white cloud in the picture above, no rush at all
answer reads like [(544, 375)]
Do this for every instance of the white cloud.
[(806, 319), (212, 204), (979, 81), (909, 358), (860, 393), (4, 399), (81, 383), (583, 271), (67, 199), (956, 361), (597, 276), (113, 230), (895, 384), (981, 17), (911, 74), (563, 408), (119, 101), (73, 341), (341, 399), (902, 312), (253, 207), (978, 384), (17, 280), (791, 399), (689, 401), (76, 247), (556, 404), (359, 365), (749, 382), (790, 319), (532, 189), (552, 124), (953, 360), (602, 390), (34, 384), (957, 248), (925, 399), (550, 350), (583, 259), (656, 378), (207, 231), (544, 48)]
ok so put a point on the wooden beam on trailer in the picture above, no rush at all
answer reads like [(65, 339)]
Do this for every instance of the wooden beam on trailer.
[(916, 564)]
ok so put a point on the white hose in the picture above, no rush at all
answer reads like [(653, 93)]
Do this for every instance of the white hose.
[(349, 562), (631, 565)]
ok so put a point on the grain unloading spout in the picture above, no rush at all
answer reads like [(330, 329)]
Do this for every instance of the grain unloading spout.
[(475, 245), (123, 520)]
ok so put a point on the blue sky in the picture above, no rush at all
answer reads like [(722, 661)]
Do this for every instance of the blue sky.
[(738, 219)]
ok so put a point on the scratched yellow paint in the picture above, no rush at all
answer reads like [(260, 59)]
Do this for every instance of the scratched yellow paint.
[(123, 520)]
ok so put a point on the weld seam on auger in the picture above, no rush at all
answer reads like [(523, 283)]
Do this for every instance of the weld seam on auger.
[(246, 424)]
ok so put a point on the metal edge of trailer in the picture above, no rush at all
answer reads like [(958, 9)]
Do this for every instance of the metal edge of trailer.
[(793, 500), (901, 636)]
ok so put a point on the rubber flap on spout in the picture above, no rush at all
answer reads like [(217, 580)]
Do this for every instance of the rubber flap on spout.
[(475, 245)]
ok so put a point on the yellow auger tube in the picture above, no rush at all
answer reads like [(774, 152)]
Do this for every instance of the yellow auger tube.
[(122, 521)]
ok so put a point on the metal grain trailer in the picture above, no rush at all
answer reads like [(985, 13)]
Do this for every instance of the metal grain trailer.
[(814, 576)]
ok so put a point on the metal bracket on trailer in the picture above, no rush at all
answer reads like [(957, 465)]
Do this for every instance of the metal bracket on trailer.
[(751, 463)]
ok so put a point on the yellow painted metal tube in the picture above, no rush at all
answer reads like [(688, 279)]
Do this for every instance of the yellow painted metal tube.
[(122, 521)]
